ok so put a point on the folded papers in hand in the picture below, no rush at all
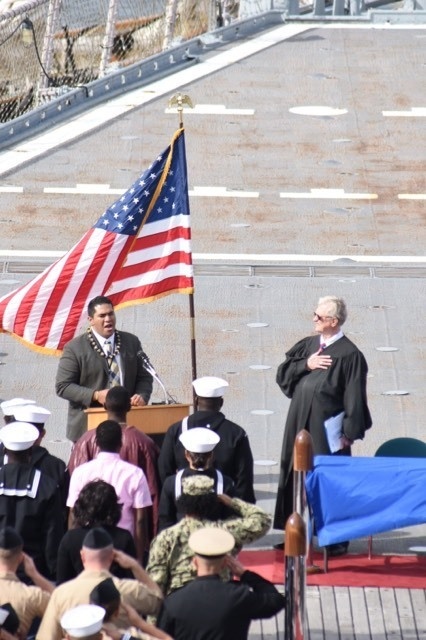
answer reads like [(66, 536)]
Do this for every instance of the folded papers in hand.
[(334, 430)]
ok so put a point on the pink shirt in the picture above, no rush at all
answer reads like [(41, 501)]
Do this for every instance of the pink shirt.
[(128, 481)]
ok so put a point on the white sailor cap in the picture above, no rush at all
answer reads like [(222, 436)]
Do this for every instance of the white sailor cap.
[(8, 406), (18, 436), (210, 387), (199, 440), (83, 621), (31, 413)]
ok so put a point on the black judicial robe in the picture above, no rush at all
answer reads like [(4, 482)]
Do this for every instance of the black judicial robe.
[(208, 608), (232, 455), (316, 396), (30, 503)]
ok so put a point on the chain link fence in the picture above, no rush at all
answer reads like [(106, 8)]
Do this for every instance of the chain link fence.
[(48, 47)]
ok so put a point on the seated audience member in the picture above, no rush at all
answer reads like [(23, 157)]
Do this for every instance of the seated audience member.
[(199, 444), (29, 602), (128, 480), (30, 499), (137, 448), (233, 456), (96, 506), (170, 558), (107, 596), (188, 614), (97, 555), (83, 622)]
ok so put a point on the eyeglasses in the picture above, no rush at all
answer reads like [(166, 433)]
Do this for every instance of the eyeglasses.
[(321, 318)]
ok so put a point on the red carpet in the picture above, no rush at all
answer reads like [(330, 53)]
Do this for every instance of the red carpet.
[(405, 572)]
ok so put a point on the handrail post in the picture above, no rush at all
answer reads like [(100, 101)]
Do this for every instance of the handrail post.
[(303, 461), (295, 578)]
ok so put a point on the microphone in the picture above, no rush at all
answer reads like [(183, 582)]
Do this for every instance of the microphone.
[(148, 366)]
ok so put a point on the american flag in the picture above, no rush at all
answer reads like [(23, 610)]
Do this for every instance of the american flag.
[(138, 250)]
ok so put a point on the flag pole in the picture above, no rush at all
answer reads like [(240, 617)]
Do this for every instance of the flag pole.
[(178, 101)]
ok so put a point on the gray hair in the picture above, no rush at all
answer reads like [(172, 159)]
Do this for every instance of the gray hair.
[(336, 307)]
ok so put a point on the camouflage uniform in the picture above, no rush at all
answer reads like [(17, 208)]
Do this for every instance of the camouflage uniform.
[(170, 558)]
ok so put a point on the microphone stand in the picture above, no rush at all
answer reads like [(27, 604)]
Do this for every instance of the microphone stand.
[(148, 366)]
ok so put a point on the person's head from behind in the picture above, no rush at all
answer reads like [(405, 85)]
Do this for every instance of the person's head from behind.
[(210, 545), (109, 436), (117, 401), (209, 391), (199, 444), (101, 316), (11, 548), (97, 505), (97, 552), (8, 408), (36, 415), (199, 499), (18, 439), (83, 622), (106, 595)]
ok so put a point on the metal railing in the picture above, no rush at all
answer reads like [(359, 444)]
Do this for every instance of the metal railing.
[(49, 47)]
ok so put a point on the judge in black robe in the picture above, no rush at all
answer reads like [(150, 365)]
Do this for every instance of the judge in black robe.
[(324, 375)]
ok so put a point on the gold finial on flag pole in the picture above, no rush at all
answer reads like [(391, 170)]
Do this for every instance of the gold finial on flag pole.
[(178, 101)]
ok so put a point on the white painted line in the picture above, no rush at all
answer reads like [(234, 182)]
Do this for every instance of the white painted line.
[(257, 325), (30, 253), (105, 189), (414, 112), (293, 257), (212, 109), (243, 257), (222, 192), (411, 196), (11, 189), (98, 189), (324, 194), (317, 111), (261, 412)]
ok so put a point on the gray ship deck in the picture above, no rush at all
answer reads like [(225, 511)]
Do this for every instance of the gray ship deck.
[(295, 205)]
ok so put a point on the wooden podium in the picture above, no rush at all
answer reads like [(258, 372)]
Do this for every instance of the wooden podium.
[(154, 419)]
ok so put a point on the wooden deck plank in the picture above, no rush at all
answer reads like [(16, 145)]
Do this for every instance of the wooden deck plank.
[(418, 601), (360, 613), (375, 613), (391, 614), (315, 625), (406, 614), (329, 613), (344, 613)]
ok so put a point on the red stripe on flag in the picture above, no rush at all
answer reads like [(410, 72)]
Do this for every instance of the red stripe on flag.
[(157, 264), (155, 290), (162, 237)]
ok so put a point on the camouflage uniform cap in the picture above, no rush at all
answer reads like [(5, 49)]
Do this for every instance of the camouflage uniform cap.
[(197, 485)]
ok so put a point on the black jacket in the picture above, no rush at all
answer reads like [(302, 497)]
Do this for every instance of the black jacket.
[(232, 455), (209, 609)]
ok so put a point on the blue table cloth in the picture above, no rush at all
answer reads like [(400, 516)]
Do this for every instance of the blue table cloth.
[(352, 497)]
